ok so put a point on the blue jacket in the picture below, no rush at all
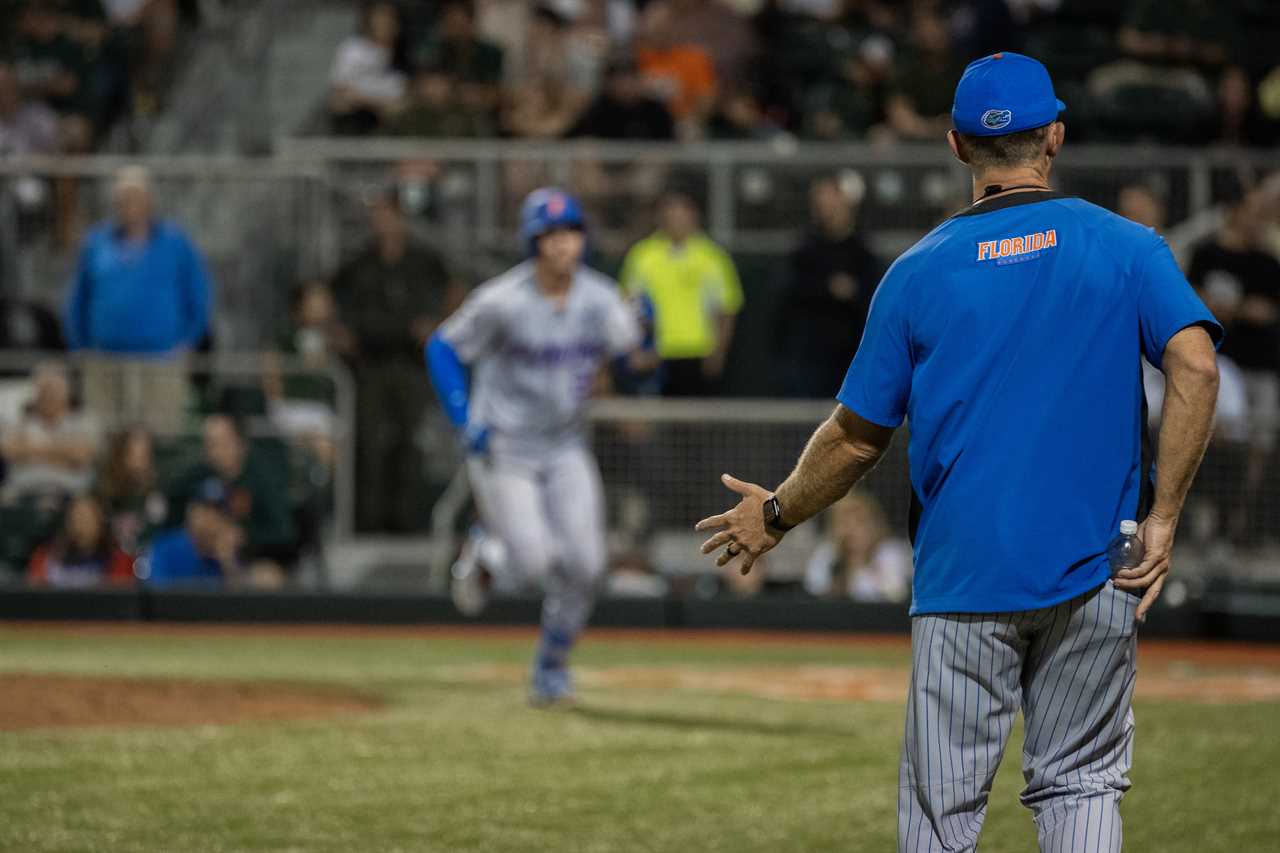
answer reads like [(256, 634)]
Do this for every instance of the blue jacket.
[(147, 299), (172, 561)]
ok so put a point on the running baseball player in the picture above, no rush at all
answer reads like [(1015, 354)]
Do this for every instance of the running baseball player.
[(1011, 338), (534, 341)]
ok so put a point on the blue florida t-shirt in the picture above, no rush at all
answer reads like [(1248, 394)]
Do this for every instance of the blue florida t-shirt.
[(1011, 338)]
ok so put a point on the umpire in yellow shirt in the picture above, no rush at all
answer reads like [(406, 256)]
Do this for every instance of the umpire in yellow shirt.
[(695, 294)]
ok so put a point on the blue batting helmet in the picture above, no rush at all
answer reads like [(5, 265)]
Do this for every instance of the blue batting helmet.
[(546, 210)]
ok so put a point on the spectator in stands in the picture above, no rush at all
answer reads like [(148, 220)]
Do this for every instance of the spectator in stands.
[(681, 73), (1216, 513), (556, 82), (27, 325), (850, 102), (86, 23), (435, 111), (50, 451), (205, 551), (919, 103), (859, 557), (257, 497), (301, 406), (152, 38), (391, 296), (140, 300), (1240, 283), (366, 91), (1176, 32), (623, 109), (27, 126), (723, 32), (1142, 203), (739, 115), (828, 292), (1159, 87), (82, 554), (633, 577), (456, 45), (1239, 120), (50, 65), (983, 27), (129, 489), (594, 28), (696, 296)]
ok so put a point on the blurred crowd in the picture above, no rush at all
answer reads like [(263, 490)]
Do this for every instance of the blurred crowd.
[(1169, 71), (80, 506), (124, 464), (99, 477), (70, 68), (79, 453)]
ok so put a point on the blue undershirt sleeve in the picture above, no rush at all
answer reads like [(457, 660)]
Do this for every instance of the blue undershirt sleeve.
[(449, 376)]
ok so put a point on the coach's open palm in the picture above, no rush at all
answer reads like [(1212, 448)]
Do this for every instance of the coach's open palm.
[(742, 529), (1156, 534)]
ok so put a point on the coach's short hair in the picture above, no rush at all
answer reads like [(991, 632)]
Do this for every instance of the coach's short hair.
[(1011, 149)]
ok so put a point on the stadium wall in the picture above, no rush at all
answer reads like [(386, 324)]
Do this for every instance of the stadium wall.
[(1227, 611)]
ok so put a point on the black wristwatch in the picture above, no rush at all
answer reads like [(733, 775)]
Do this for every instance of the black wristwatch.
[(773, 515)]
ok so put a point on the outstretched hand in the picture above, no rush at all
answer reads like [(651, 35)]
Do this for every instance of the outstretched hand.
[(1156, 534), (742, 529)]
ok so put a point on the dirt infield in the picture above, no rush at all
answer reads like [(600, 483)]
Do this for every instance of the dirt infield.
[(32, 701), (1178, 680), (1205, 672)]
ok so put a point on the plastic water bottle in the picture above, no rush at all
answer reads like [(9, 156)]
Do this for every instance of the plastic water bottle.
[(1126, 550)]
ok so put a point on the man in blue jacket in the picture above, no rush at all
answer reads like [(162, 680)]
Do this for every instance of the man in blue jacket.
[(140, 299)]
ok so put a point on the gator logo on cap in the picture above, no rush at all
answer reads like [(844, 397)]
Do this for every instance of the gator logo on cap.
[(996, 119)]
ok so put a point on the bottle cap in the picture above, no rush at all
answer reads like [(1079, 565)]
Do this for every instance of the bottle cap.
[(1128, 528)]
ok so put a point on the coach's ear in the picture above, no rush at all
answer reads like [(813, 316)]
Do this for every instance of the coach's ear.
[(957, 147), (1057, 136)]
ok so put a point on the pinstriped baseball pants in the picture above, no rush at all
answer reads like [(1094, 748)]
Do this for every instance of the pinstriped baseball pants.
[(1070, 669)]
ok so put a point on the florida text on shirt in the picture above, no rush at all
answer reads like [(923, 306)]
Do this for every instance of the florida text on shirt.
[(1013, 250)]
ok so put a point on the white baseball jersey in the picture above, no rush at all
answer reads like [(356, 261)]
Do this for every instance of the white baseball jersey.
[(533, 362)]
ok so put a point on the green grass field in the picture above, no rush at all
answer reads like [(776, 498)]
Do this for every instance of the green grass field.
[(456, 761)]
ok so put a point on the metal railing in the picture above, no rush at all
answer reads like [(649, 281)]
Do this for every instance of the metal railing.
[(300, 212)]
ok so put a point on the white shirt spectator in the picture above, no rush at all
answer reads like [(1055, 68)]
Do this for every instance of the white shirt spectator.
[(44, 476), (886, 576), (123, 12), (364, 66), (1231, 419), (32, 129)]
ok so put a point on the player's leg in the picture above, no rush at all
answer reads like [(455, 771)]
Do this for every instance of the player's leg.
[(965, 692), (574, 499), (1078, 691), (509, 498)]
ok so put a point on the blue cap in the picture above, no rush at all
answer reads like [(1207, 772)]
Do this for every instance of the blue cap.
[(211, 492), (546, 210), (1004, 93)]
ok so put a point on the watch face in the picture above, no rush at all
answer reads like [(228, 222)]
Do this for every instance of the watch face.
[(771, 510)]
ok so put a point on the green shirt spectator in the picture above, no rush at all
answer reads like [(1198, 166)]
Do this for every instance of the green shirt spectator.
[(49, 64), (258, 495), (456, 45)]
